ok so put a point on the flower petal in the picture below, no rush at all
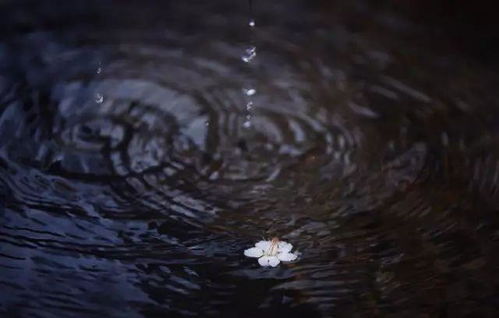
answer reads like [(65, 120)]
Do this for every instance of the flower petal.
[(269, 261), (274, 261), (264, 260), (264, 245), (253, 252), (284, 247), (287, 257)]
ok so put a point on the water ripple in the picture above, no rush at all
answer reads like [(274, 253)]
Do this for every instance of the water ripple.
[(130, 184)]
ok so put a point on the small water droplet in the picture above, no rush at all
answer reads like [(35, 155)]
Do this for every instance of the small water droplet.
[(251, 23), (250, 54), (249, 91), (247, 124), (99, 70), (99, 98), (249, 106)]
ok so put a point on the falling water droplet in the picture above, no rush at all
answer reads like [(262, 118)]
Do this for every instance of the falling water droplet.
[(249, 91), (247, 123), (247, 57), (99, 98), (250, 54)]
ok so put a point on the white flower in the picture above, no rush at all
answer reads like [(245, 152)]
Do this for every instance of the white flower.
[(271, 253)]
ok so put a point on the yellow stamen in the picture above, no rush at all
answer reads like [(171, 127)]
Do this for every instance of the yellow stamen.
[(273, 247)]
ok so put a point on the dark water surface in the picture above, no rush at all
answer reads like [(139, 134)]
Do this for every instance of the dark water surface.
[(130, 186)]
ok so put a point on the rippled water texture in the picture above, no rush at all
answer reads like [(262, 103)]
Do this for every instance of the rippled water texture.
[(130, 186)]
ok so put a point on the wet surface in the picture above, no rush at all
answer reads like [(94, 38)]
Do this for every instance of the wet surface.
[(130, 184)]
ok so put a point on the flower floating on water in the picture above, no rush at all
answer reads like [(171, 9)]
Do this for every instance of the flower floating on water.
[(271, 253)]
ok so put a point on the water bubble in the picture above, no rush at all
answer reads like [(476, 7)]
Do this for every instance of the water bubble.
[(250, 54)]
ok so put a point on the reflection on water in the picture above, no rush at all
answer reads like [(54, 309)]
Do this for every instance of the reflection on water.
[(130, 187)]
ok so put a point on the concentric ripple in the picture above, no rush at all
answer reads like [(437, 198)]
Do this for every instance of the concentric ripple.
[(130, 183)]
